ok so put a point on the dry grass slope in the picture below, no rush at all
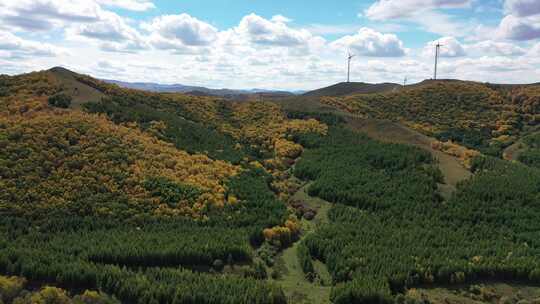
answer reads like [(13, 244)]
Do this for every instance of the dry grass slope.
[(348, 88), (80, 92)]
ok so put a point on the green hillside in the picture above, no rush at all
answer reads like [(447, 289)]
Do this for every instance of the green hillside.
[(479, 116)]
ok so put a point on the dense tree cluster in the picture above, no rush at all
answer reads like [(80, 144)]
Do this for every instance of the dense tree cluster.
[(527, 98), (531, 152), (329, 119), (185, 134), (134, 260), (60, 100), (377, 175), (393, 238), (306, 263), (84, 164), (13, 290)]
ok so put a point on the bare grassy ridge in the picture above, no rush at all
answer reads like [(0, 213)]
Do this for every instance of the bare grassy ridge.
[(348, 88)]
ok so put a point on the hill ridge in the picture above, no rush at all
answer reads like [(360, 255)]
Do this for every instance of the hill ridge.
[(348, 88)]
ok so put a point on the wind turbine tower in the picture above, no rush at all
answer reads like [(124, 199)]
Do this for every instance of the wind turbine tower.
[(437, 53), (349, 58)]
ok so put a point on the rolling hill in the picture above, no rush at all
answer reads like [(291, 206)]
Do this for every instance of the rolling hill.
[(481, 116)]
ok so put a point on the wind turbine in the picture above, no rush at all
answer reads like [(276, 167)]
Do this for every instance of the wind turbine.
[(349, 58), (437, 53)]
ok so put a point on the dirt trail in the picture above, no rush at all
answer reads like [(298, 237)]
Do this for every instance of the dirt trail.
[(296, 287)]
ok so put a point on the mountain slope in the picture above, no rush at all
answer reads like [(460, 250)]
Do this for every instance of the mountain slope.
[(348, 88), (80, 92), (149, 197)]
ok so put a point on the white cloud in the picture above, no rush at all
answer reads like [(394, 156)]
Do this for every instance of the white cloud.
[(368, 42), (397, 9), (14, 46), (179, 30), (426, 13), (132, 5), (44, 15), (274, 32), (280, 19), (520, 28), (522, 21), (492, 64), (124, 47), (522, 8), (495, 48), (535, 51), (450, 47), (110, 27)]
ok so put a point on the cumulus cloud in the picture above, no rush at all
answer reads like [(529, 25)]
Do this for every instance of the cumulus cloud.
[(522, 20), (450, 47), (79, 19), (171, 31), (520, 28), (110, 27), (368, 42), (274, 32)]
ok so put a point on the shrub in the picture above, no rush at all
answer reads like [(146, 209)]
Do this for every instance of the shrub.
[(60, 101)]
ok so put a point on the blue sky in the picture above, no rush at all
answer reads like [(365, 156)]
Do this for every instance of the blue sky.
[(294, 44)]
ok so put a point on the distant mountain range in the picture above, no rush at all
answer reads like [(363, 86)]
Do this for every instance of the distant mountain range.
[(197, 90)]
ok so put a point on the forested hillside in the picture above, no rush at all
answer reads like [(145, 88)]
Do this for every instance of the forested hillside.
[(389, 229), (480, 116), (147, 197), (126, 196)]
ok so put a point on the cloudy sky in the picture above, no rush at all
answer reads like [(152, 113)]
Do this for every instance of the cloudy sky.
[(277, 44)]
